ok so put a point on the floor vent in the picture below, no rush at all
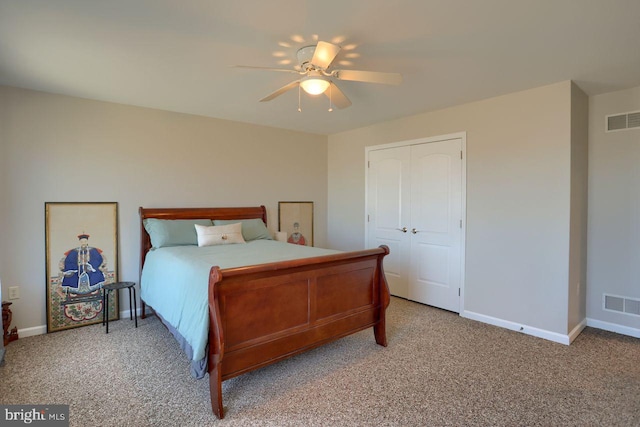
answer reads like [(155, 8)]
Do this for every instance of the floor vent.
[(623, 121), (620, 304)]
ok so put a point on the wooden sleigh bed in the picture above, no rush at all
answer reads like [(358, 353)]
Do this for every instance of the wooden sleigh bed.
[(262, 314)]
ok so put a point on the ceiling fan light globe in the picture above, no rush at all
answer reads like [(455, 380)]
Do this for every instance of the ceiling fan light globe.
[(314, 85)]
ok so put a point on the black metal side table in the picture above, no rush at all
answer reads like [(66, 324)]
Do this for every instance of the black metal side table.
[(106, 289)]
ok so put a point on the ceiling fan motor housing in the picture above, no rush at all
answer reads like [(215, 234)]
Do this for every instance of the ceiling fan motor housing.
[(305, 55)]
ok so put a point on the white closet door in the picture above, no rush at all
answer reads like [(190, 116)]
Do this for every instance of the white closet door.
[(435, 233), (389, 211)]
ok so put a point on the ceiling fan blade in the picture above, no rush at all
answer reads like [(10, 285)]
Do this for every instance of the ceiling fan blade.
[(280, 91), (369, 76), (338, 98), (324, 54), (284, 70)]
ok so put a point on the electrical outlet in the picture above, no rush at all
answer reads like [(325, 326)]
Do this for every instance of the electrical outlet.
[(14, 292)]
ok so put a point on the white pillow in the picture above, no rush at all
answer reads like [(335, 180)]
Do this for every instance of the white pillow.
[(219, 234)]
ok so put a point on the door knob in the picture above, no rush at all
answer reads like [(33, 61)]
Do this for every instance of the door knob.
[(403, 229), (414, 231)]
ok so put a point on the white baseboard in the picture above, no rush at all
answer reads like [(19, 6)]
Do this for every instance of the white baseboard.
[(29, 332), (525, 329), (614, 327), (124, 314), (41, 330), (528, 330)]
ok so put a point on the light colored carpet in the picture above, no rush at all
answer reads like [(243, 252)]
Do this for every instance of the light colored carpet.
[(438, 370)]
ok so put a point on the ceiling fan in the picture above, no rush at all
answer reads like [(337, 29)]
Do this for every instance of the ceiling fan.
[(316, 74)]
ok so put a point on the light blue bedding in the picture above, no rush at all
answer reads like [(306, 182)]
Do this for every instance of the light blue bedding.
[(175, 283)]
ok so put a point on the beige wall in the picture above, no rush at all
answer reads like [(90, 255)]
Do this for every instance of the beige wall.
[(577, 289), (57, 148), (524, 245), (614, 210), (518, 199), (4, 186)]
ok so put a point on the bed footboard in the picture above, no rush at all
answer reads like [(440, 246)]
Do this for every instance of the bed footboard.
[(262, 314)]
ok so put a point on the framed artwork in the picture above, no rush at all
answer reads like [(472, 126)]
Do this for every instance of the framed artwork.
[(81, 241), (296, 219)]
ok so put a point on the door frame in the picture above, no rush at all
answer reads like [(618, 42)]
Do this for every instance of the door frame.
[(440, 138)]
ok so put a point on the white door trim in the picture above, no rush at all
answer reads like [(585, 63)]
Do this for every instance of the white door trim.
[(458, 135)]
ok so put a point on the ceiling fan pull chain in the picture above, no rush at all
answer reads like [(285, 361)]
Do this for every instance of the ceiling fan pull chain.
[(330, 107), (299, 108)]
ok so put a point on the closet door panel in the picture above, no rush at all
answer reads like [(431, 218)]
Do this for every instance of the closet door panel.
[(435, 224), (388, 212)]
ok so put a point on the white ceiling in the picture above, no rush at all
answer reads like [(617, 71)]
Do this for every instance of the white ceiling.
[(177, 54)]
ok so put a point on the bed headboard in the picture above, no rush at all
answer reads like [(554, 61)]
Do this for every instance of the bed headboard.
[(193, 213)]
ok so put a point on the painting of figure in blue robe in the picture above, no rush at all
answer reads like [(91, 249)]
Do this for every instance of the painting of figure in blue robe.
[(83, 269), (80, 238)]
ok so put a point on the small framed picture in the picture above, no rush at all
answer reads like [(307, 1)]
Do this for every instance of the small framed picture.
[(296, 219), (81, 242)]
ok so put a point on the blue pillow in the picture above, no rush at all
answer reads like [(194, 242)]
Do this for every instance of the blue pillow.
[(252, 229), (173, 232)]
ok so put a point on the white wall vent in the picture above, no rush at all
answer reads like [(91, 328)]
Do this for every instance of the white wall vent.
[(633, 120), (620, 304), (623, 121)]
